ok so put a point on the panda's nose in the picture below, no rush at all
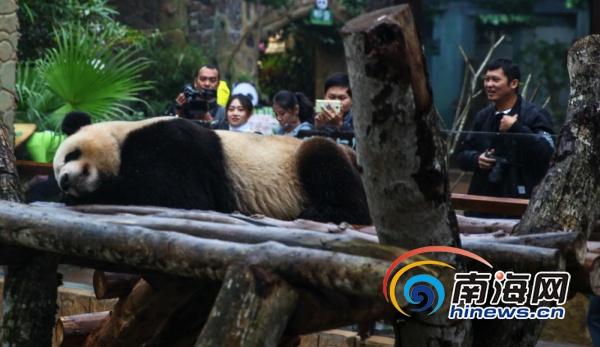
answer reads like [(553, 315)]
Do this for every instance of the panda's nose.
[(64, 182)]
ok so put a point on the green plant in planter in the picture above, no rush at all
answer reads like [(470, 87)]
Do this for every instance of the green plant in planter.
[(79, 75)]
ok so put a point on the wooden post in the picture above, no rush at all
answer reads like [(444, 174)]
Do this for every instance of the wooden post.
[(29, 288), (252, 309), (401, 150)]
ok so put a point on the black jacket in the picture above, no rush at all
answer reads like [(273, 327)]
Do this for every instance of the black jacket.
[(526, 147)]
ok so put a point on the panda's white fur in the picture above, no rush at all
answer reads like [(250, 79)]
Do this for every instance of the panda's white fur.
[(275, 192)]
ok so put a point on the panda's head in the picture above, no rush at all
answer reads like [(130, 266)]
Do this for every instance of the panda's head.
[(86, 159)]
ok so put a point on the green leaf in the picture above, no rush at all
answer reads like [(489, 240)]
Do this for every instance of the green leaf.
[(90, 78)]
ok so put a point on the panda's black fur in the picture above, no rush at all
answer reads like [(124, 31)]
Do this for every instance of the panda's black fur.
[(177, 163)]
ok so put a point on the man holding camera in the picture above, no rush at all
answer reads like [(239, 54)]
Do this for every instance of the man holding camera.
[(199, 102), (511, 144)]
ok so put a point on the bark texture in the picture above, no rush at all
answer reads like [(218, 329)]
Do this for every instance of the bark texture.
[(182, 255), (567, 198), (252, 309), (400, 149), (29, 288)]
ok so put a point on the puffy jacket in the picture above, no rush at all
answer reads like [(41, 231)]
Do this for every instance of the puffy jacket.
[(527, 148)]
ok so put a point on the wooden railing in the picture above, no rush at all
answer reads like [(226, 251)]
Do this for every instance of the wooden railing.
[(489, 204)]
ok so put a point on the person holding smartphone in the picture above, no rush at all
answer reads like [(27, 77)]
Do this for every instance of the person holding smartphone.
[(337, 87)]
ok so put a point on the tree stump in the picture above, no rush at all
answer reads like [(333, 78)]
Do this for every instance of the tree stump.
[(401, 150)]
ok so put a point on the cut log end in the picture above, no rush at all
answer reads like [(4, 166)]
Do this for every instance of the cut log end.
[(110, 285), (71, 331), (365, 22)]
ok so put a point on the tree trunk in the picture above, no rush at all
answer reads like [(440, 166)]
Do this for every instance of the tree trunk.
[(252, 309), (567, 197), (29, 289), (401, 150)]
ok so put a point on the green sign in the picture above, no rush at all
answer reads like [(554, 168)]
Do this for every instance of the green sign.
[(321, 16)]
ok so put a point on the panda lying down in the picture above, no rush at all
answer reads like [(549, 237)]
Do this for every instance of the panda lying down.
[(175, 162)]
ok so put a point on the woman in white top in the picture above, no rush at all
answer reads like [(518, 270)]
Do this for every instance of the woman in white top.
[(239, 110)]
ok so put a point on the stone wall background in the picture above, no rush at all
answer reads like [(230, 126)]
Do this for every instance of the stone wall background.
[(9, 36)]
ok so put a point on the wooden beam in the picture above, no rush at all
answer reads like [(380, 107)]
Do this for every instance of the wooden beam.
[(28, 168), (489, 204), (183, 255)]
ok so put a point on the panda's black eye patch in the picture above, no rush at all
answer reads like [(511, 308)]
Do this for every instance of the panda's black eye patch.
[(73, 155)]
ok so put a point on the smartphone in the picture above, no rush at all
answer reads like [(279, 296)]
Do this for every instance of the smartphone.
[(320, 104)]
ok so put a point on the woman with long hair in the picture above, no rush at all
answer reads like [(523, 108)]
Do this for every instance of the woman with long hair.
[(293, 111)]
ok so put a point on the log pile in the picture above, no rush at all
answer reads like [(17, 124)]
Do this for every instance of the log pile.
[(195, 264)]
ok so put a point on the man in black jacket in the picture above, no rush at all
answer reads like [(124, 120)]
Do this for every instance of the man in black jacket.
[(511, 144)]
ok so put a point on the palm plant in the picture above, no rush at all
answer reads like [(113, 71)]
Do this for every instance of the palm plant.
[(79, 74)]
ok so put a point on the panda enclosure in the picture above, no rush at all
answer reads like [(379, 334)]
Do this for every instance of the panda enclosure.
[(235, 280)]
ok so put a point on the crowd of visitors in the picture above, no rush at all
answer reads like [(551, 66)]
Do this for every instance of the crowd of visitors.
[(294, 112)]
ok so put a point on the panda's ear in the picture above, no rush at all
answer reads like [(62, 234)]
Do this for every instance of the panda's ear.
[(75, 120)]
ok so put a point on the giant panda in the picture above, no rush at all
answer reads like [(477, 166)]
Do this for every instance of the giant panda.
[(175, 162)]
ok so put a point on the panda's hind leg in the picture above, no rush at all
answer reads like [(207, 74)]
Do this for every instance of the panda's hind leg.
[(332, 183)]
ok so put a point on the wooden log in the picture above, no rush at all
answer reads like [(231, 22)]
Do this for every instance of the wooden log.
[(110, 285), (572, 245), (252, 309), (518, 257), (137, 318), (472, 225), (334, 311), (185, 255), (197, 215), (401, 149), (489, 204), (586, 279), (347, 241), (29, 301), (27, 168), (71, 331), (593, 246), (30, 287)]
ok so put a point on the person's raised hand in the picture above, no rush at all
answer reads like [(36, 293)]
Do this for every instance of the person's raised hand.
[(507, 122), (180, 99), (328, 116)]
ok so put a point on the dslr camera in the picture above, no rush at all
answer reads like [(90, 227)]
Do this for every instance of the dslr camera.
[(198, 102), (499, 169)]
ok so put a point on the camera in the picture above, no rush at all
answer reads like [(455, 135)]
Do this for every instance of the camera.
[(498, 170), (198, 102)]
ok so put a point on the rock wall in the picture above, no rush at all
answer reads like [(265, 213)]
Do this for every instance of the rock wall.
[(9, 36)]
